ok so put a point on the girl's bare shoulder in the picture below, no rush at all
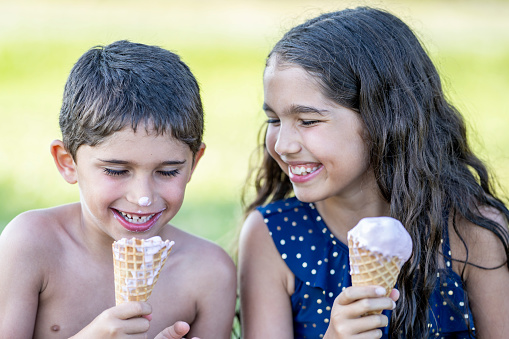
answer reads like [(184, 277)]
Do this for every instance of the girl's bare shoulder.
[(485, 249)]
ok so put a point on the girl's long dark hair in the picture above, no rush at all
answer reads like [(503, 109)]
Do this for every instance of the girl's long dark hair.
[(371, 62)]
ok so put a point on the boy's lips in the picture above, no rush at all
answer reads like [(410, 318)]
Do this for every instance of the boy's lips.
[(135, 222)]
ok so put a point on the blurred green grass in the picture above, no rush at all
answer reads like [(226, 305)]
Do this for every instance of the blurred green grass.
[(225, 44)]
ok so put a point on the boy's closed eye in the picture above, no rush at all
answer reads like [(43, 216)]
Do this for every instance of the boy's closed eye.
[(114, 172), (172, 173)]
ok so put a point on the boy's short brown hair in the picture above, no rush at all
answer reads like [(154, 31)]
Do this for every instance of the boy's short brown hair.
[(125, 84)]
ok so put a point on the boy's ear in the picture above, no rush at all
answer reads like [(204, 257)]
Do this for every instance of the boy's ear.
[(64, 161), (197, 158)]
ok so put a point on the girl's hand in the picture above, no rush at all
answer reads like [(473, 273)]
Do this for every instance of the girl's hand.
[(347, 320), (177, 331), (128, 320)]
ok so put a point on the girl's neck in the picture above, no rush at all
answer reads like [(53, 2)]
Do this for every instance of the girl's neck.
[(340, 216)]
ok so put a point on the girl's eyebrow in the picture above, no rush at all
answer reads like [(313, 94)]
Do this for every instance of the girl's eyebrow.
[(123, 162), (296, 109)]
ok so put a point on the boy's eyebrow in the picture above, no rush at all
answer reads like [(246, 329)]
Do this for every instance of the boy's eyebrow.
[(296, 109), (123, 162)]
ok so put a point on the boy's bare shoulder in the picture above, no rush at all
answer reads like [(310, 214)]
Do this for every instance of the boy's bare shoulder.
[(32, 240), (199, 257), (39, 229), (197, 249)]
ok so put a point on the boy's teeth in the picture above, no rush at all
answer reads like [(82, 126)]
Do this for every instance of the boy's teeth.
[(302, 170), (136, 219)]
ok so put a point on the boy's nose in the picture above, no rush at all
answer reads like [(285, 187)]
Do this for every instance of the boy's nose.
[(144, 201), (287, 141), (141, 192)]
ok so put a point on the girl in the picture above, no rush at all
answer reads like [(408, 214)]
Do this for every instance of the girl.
[(358, 126)]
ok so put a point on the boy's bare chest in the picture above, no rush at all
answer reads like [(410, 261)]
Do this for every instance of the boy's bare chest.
[(77, 291)]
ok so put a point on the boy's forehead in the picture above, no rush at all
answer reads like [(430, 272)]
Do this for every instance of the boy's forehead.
[(141, 142)]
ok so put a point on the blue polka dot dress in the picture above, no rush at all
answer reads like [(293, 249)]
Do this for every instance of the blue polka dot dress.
[(320, 264)]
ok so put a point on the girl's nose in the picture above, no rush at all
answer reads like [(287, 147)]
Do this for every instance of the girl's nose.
[(287, 141)]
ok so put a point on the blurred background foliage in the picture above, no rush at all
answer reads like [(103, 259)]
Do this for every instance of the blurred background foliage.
[(225, 44)]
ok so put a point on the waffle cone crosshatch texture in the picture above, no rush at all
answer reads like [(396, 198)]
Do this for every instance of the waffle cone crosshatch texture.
[(137, 265), (371, 268)]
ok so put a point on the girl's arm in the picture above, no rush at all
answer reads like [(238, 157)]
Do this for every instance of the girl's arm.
[(266, 284), (487, 288)]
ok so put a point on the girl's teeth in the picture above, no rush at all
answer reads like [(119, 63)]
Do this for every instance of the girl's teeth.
[(301, 170), (136, 219)]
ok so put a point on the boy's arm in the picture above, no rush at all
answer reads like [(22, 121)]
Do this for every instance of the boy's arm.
[(216, 291), (21, 279)]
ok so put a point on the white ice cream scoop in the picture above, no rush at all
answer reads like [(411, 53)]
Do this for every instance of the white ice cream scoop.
[(384, 235)]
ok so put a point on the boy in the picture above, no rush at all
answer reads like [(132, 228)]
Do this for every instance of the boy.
[(132, 126)]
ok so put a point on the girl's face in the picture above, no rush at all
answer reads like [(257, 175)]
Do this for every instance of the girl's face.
[(133, 182), (319, 144)]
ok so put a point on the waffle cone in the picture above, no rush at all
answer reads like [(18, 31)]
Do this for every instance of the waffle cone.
[(372, 268), (137, 265)]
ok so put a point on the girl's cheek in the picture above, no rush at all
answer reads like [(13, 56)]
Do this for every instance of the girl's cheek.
[(270, 140)]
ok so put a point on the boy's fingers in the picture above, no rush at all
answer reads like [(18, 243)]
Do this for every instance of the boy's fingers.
[(177, 331), (136, 325), (133, 309)]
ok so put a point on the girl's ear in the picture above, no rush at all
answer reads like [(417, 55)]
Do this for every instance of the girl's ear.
[(64, 161), (197, 158)]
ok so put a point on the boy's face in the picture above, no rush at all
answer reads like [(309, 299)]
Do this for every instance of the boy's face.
[(133, 182)]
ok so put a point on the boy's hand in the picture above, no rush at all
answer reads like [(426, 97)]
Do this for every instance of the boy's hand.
[(177, 331), (129, 320), (349, 307)]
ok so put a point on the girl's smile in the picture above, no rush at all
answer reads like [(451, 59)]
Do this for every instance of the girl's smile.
[(303, 173)]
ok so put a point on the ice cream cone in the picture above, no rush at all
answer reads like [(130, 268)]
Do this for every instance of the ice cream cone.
[(378, 247), (372, 268), (137, 265)]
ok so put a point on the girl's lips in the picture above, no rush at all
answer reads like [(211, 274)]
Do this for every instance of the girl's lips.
[(303, 173), (136, 222)]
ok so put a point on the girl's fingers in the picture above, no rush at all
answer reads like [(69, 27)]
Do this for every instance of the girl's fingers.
[(352, 294), (363, 299), (361, 327), (394, 294)]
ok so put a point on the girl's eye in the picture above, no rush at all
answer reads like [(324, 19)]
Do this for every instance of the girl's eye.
[(272, 121), (113, 172), (172, 173), (309, 122)]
